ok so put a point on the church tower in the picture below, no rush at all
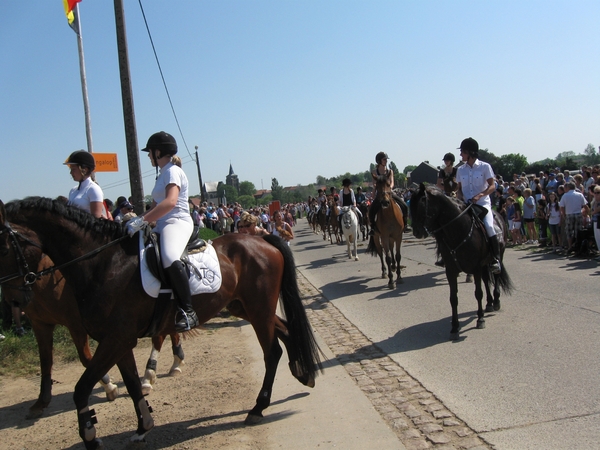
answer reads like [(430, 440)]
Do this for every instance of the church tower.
[(232, 179)]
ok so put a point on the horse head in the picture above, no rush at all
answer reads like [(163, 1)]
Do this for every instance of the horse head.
[(20, 253), (383, 187)]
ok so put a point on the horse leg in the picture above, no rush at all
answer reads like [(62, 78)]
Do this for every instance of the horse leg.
[(489, 305), (178, 355), (354, 245), (388, 261), (398, 270), (150, 373), (479, 297), (272, 354), (497, 292), (129, 372), (452, 278), (44, 336)]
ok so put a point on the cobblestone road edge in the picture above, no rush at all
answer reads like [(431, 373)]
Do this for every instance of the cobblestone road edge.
[(417, 417)]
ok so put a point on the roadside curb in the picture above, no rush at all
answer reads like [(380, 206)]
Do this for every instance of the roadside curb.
[(414, 414)]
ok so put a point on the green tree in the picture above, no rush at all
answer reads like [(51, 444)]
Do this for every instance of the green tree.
[(321, 180), (247, 201), (509, 164), (394, 168), (229, 192), (276, 190), (247, 188), (265, 200), (408, 169)]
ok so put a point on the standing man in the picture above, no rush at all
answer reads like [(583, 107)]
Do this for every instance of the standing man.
[(571, 205), (475, 184)]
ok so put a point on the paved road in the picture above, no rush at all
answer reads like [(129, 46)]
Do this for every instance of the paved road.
[(529, 380)]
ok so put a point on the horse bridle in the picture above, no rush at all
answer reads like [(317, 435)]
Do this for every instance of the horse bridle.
[(434, 232), (30, 277)]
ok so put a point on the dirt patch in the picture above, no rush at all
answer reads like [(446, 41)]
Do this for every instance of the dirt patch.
[(205, 407)]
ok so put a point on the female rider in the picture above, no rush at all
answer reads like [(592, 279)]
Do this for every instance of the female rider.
[(174, 223), (381, 159), (87, 195)]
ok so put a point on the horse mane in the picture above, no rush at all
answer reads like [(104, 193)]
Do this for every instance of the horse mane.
[(83, 219), (442, 197)]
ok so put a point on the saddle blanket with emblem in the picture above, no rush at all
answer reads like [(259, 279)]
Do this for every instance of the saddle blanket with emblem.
[(205, 275)]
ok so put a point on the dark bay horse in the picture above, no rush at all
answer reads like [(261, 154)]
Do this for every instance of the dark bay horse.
[(50, 302), (321, 218), (100, 263), (463, 245), (333, 226), (390, 223), (363, 220)]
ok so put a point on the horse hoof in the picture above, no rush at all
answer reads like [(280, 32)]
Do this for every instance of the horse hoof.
[(112, 393), (391, 285), (480, 324), (175, 372), (489, 308), (356, 259), (146, 388), (95, 444), (454, 336), (252, 419), (34, 414), (497, 306)]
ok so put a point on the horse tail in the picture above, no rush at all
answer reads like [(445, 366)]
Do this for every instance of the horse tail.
[(504, 280), (371, 248), (299, 329)]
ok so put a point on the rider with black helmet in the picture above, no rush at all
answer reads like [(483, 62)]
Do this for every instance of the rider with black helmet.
[(447, 176), (87, 195), (170, 210), (476, 181), (381, 159)]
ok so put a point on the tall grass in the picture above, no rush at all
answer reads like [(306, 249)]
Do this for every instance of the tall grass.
[(19, 355)]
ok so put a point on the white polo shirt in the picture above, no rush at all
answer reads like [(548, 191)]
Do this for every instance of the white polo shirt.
[(473, 181)]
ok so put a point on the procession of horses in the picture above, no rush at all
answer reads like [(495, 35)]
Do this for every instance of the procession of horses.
[(64, 267)]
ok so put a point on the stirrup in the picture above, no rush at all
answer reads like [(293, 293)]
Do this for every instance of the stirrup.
[(187, 322), (495, 267)]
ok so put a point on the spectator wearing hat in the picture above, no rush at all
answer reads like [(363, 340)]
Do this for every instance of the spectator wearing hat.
[(447, 176), (124, 207), (87, 195), (170, 211), (551, 185)]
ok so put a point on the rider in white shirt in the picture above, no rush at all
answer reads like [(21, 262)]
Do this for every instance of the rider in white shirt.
[(475, 184)]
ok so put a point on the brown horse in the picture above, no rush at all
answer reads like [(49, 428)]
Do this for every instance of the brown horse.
[(100, 263), (363, 220), (333, 226), (390, 224), (54, 304)]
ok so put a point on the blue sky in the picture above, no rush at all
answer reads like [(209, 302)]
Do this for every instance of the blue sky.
[(295, 89)]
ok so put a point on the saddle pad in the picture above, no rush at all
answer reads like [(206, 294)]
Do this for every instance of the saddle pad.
[(206, 263)]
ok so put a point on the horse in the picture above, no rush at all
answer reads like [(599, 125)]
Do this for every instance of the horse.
[(350, 230), (390, 224), (333, 226), (54, 304), (101, 264), (321, 219), (462, 243), (364, 220)]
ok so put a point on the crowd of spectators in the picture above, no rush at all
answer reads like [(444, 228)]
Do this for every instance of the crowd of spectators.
[(557, 209)]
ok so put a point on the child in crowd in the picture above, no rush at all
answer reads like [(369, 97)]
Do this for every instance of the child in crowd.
[(542, 218), (554, 220), (515, 231)]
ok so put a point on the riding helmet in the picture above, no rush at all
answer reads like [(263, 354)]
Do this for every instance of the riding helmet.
[(471, 146), (449, 157), (81, 158), (163, 142), (379, 156)]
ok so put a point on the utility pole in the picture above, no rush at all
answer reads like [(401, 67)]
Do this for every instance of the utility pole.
[(202, 190), (133, 156)]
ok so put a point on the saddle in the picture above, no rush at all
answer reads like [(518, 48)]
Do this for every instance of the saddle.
[(153, 258)]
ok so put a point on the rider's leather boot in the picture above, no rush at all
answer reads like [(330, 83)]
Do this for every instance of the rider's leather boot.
[(495, 247), (181, 288)]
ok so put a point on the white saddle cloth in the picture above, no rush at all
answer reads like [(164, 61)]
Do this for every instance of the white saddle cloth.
[(206, 264)]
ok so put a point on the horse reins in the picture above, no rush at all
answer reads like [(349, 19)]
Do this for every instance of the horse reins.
[(30, 277), (433, 233)]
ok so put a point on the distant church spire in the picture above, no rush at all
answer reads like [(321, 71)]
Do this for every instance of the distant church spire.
[(231, 172), (232, 179)]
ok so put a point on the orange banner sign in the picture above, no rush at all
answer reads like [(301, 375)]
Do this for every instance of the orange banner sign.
[(106, 162)]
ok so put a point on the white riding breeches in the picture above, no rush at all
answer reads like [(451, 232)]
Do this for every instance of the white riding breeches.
[(174, 233), (488, 222)]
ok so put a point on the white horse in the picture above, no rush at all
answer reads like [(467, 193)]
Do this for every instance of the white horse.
[(350, 229)]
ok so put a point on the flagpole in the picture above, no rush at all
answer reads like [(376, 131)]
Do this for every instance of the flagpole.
[(86, 105)]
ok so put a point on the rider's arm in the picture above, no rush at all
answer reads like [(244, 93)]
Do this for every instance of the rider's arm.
[(491, 188)]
